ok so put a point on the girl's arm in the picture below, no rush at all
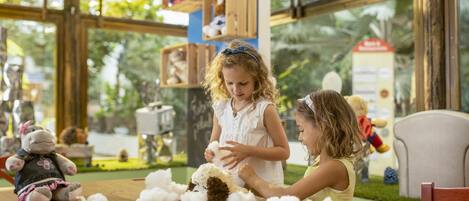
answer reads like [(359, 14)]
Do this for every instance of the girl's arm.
[(273, 125), (215, 136), (330, 174), (216, 130)]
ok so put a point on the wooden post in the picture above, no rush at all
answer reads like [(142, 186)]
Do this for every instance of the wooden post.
[(435, 53), (68, 114)]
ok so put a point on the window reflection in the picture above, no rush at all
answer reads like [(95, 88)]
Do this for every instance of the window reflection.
[(32, 45)]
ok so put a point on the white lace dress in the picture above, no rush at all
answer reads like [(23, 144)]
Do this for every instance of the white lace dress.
[(248, 128)]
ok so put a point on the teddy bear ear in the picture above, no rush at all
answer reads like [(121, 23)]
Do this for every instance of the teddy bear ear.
[(23, 128)]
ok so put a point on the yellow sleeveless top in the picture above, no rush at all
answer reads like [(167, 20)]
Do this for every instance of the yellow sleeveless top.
[(330, 193)]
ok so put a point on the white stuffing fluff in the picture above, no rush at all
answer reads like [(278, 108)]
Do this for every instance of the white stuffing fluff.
[(241, 196), (283, 198), (218, 154), (160, 178), (97, 197), (160, 187), (157, 194), (194, 196), (178, 188)]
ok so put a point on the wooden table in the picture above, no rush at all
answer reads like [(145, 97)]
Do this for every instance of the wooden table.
[(114, 190)]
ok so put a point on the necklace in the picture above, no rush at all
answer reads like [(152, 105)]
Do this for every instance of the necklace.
[(235, 112)]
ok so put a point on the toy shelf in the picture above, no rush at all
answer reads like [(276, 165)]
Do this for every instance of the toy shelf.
[(197, 58), (185, 6), (240, 18)]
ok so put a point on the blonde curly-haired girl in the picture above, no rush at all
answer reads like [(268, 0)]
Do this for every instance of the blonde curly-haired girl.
[(246, 121)]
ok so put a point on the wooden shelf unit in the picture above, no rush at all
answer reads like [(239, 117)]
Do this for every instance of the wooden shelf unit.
[(198, 57), (241, 19)]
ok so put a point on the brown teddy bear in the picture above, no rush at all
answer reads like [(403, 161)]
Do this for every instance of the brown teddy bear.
[(73, 135)]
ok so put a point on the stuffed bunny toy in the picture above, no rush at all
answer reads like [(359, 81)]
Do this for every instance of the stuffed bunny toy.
[(39, 170), (218, 25)]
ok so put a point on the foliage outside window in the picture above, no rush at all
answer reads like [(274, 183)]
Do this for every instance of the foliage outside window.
[(53, 4), (136, 9), (122, 70), (33, 45), (33, 3), (279, 4), (464, 53), (318, 45)]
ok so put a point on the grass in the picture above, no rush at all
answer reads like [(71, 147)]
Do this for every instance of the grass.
[(180, 175), (103, 165), (375, 189)]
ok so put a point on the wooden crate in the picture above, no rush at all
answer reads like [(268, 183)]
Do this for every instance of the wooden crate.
[(186, 6), (198, 57), (241, 18)]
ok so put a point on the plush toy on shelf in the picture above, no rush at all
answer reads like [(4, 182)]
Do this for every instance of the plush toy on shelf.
[(174, 2), (39, 170), (218, 25), (360, 107), (177, 67)]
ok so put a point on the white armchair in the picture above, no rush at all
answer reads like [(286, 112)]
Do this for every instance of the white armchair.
[(432, 146)]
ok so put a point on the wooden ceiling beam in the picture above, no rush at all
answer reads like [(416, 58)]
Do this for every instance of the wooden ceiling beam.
[(29, 13), (54, 16), (134, 25)]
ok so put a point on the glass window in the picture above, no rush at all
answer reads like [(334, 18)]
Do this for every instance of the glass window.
[(34, 3), (318, 45), (122, 69), (464, 53), (32, 45), (137, 10), (55, 4), (279, 4)]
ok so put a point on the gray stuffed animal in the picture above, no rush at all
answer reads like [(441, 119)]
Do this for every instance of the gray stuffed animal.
[(39, 170)]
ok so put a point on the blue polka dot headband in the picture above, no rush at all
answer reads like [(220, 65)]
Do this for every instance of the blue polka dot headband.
[(239, 50)]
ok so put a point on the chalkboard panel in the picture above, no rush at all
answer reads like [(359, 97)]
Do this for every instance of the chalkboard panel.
[(199, 125)]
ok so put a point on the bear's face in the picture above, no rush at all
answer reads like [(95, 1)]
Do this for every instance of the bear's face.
[(38, 140)]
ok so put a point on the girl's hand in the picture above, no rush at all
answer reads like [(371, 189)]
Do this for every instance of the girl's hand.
[(209, 155), (238, 153), (246, 171)]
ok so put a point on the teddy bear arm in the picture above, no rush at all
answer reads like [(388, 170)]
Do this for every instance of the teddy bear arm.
[(14, 163), (66, 165)]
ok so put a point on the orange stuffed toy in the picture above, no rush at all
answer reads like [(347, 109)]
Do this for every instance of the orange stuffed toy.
[(360, 107)]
